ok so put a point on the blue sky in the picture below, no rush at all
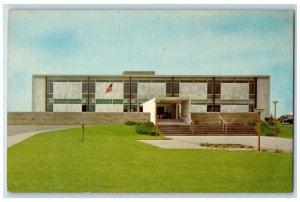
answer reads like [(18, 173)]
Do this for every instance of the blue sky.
[(203, 42)]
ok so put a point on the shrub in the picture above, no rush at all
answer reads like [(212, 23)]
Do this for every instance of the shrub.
[(267, 129), (145, 128), (130, 123)]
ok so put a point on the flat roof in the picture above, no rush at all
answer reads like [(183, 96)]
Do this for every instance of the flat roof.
[(147, 76)]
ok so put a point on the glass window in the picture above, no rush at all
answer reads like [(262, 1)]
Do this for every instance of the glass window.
[(49, 95), (60, 101), (251, 88), (126, 108), (251, 107), (74, 101), (50, 108), (217, 88), (168, 88), (92, 101), (49, 87), (92, 108), (103, 101), (126, 87), (84, 108), (84, 87), (209, 88), (175, 88), (133, 87), (118, 101), (84, 101), (92, 95), (209, 108), (92, 87)]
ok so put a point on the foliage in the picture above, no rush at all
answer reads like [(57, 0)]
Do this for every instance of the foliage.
[(267, 129), (130, 123), (270, 120), (111, 160), (145, 128)]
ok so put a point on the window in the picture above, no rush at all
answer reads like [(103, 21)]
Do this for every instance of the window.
[(49, 87), (84, 108), (209, 108), (126, 88), (217, 88), (92, 87), (176, 88), (84, 87), (133, 87), (251, 107), (209, 88), (251, 88), (168, 88)]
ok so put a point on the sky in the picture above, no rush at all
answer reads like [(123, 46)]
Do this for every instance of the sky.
[(177, 42)]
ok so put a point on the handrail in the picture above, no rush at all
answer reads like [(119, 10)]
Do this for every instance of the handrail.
[(224, 123), (192, 123)]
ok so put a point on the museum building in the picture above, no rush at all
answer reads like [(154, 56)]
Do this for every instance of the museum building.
[(132, 91)]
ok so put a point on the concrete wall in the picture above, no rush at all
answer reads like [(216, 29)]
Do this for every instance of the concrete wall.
[(193, 90), (67, 108), (67, 90), (235, 91), (233, 118), (186, 111), (151, 90), (198, 108), (263, 96), (109, 107), (38, 94), (150, 107), (117, 90), (234, 108), (70, 118)]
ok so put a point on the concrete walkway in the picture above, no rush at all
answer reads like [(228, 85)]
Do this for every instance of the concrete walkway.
[(193, 142), (16, 133)]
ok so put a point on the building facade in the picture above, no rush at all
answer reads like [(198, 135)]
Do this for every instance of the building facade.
[(66, 93)]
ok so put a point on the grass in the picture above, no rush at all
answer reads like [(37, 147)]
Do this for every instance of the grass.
[(112, 160), (286, 131)]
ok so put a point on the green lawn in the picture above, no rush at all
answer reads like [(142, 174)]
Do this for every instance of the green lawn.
[(112, 160), (285, 130)]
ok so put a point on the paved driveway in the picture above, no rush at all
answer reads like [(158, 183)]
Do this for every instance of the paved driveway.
[(192, 142), (16, 133)]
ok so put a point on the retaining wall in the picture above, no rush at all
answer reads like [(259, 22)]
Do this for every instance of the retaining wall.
[(232, 118), (71, 118)]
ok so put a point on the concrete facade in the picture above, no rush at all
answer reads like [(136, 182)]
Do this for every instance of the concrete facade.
[(151, 90), (38, 94), (263, 96), (66, 93), (67, 107), (193, 90), (117, 92), (67, 90), (235, 91), (234, 108)]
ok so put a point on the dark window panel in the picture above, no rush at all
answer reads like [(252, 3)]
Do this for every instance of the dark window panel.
[(84, 108), (209, 88), (217, 88), (50, 108), (133, 96), (60, 101), (209, 108), (49, 87), (209, 96), (103, 101), (133, 87), (251, 107), (126, 96), (175, 88), (126, 108), (85, 95), (92, 95), (92, 87), (118, 101), (126, 88), (217, 108), (49, 95), (84, 87), (218, 96), (92, 101), (251, 88), (74, 101), (92, 108), (168, 88)]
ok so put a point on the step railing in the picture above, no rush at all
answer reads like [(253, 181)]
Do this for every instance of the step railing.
[(223, 123), (192, 125)]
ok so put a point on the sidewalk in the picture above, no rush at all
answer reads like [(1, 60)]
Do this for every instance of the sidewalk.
[(193, 142), (16, 134)]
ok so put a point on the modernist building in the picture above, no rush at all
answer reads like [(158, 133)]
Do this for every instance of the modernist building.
[(129, 91)]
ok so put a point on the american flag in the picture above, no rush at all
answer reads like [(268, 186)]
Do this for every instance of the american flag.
[(109, 88)]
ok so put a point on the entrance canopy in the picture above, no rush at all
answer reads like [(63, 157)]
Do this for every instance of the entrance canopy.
[(178, 107)]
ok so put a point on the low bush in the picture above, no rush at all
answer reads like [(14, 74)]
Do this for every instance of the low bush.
[(130, 123), (147, 128), (267, 129)]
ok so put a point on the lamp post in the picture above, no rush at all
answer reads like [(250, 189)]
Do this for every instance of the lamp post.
[(275, 102), (258, 127)]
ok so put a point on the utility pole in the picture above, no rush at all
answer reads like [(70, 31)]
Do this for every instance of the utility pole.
[(275, 102), (258, 127)]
